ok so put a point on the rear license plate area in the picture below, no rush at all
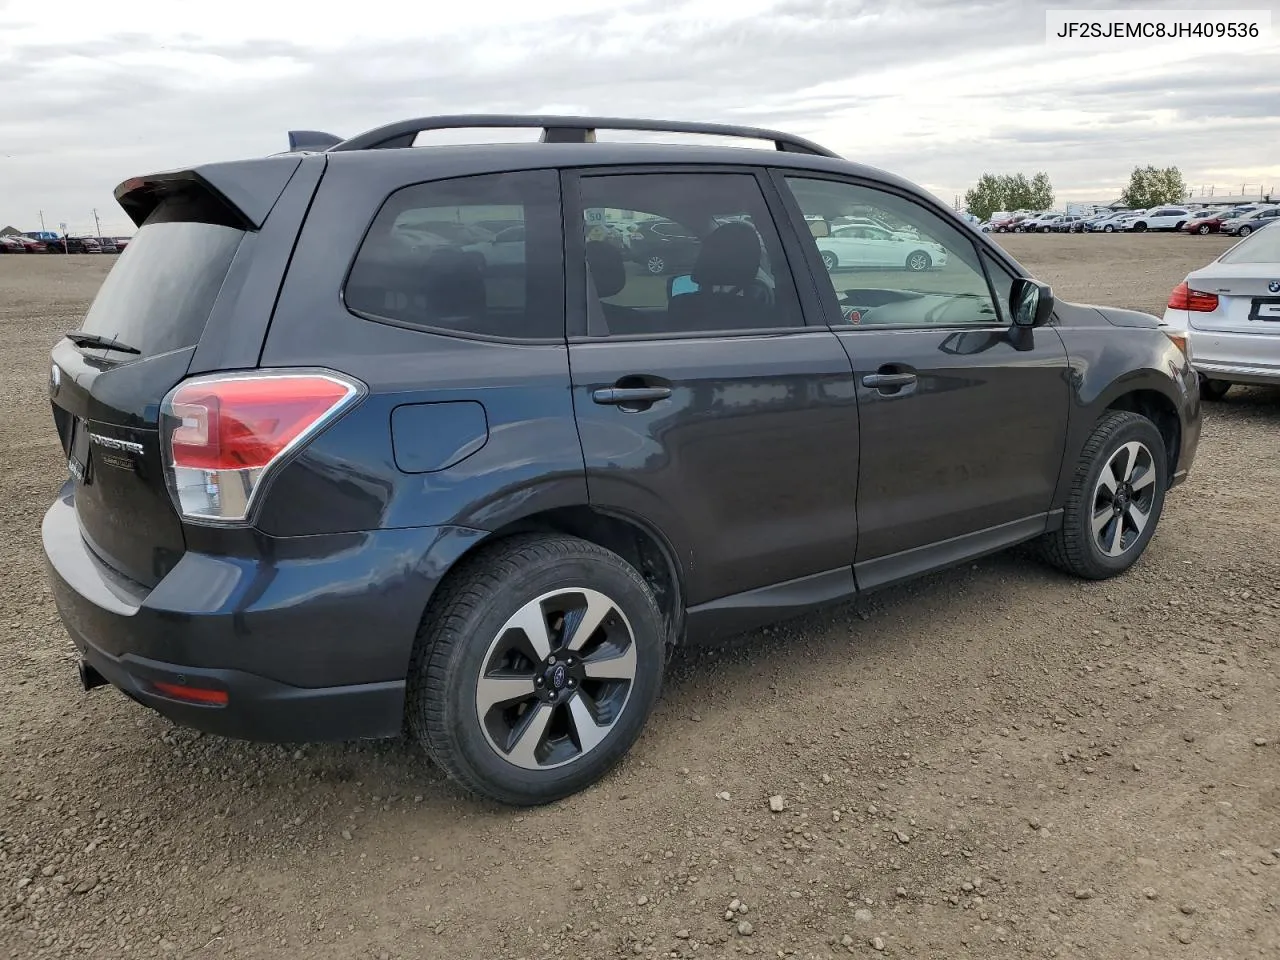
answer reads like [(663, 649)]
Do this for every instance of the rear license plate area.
[(1266, 309), (79, 459)]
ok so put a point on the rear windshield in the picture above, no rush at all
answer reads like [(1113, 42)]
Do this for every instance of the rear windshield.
[(1262, 247), (159, 294)]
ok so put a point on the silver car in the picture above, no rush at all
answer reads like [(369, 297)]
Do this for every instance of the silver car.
[(1228, 314)]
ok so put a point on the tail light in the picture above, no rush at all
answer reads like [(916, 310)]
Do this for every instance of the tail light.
[(223, 434), (1184, 298)]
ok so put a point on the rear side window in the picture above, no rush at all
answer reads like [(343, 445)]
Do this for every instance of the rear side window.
[(475, 256), (683, 254), (160, 292)]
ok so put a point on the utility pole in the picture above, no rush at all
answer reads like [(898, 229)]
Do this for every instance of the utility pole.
[(97, 227), (42, 221)]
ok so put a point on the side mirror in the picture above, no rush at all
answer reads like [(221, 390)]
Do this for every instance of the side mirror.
[(819, 228), (681, 284), (1031, 301)]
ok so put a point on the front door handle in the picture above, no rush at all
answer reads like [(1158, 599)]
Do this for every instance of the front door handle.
[(883, 380), (616, 396)]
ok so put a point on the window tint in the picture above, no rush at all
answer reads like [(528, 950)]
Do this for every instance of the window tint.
[(924, 272), (474, 256), (160, 292), (683, 253)]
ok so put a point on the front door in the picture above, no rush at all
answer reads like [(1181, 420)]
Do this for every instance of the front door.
[(707, 408), (962, 416)]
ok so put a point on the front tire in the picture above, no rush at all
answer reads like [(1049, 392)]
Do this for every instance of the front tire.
[(655, 265), (1204, 230), (919, 262), (535, 668), (1139, 227), (1245, 230), (1115, 500), (830, 260)]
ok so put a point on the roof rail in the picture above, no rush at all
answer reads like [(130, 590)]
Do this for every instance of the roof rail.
[(557, 129)]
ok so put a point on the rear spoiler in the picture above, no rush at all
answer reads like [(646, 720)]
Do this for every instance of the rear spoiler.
[(311, 141), (247, 188)]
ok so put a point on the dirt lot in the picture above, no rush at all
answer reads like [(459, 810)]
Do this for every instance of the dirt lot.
[(998, 761)]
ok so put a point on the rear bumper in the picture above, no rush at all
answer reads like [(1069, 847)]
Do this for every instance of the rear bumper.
[(310, 639), (1251, 358), (257, 708)]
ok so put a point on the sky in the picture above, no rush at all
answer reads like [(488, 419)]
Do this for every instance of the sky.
[(938, 91)]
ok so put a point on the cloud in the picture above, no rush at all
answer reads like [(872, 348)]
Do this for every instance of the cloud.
[(938, 90)]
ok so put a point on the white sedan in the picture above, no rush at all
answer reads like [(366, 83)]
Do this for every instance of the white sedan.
[(1228, 315), (864, 245)]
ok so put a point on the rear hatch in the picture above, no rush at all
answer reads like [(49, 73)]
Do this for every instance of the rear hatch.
[(137, 341)]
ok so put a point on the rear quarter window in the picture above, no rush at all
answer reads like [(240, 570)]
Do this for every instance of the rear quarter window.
[(475, 256)]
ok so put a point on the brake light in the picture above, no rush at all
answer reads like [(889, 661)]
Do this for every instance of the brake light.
[(222, 434), (1184, 298)]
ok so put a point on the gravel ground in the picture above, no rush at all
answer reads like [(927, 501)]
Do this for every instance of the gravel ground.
[(996, 761)]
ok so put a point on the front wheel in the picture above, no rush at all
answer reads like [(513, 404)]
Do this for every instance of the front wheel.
[(1204, 229), (830, 260), (1139, 228), (535, 668), (656, 265), (919, 261), (1245, 230), (1108, 229), (1115, 499)]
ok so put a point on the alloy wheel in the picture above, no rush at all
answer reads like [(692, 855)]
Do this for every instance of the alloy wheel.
[(656, 265), (556, 679), (828, 260), (1123, 498), (918, 261)]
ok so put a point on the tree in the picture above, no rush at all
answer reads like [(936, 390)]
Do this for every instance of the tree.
[(1151, 187), (1009, 192), (986, 196), (1041, 192)]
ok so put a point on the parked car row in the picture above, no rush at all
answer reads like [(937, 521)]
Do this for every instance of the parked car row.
[(53, 244), (1237, 221)]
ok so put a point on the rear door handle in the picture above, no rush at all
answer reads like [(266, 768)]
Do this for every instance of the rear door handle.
[(882, 380), (620, 395)]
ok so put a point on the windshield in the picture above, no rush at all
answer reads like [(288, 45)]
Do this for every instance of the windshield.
[(1260, 247)]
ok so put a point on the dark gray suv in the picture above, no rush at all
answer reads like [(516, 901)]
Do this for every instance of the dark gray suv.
[(367, 436)]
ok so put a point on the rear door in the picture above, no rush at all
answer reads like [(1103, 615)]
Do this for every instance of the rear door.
[(723, 421), (187, 262), (962, 417)]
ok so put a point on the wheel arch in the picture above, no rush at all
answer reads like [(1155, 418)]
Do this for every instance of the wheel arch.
[(636, 541), (1161, 411)]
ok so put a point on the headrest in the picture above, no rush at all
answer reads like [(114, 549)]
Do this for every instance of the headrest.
[(607, 267), (730, 256)]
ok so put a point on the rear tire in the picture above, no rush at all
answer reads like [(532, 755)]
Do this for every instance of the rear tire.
[(1115, 499), (506, 697), (1213, 389), (830, 260)]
